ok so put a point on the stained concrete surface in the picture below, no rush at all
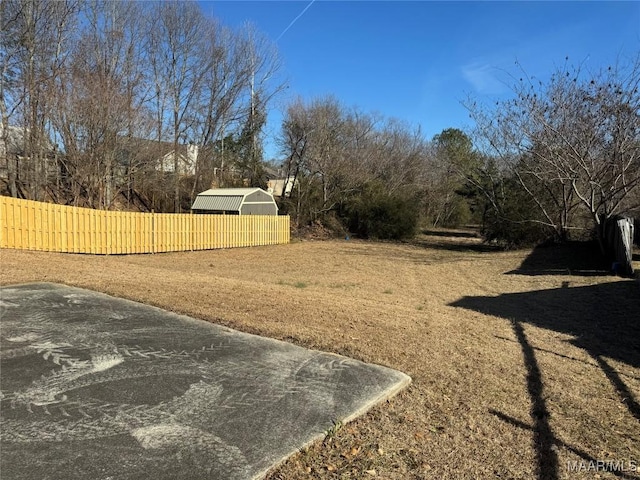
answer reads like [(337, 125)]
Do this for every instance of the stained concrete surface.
[(96, 387)]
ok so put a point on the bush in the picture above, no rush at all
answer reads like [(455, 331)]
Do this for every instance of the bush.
[(375, 213), (514, 223)]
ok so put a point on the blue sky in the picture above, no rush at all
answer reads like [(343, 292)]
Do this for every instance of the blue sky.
[(416, 61)]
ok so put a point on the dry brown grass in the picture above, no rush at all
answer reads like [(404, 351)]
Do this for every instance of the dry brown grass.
[(514, 374)]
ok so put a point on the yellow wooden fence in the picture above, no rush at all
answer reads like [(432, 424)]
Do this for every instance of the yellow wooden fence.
[(30, 225)]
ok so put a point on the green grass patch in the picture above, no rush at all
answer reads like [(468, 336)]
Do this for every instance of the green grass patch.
[(298, 284)]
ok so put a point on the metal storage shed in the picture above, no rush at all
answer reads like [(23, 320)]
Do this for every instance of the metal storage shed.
[(235, 201)]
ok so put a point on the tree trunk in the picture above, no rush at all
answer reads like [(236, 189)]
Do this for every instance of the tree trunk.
[(601, 226)]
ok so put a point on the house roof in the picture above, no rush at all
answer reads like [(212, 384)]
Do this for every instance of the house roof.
[(141, 148), (16, 140), (271, 172)]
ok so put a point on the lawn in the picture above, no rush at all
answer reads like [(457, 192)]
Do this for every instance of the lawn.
[(525, 364)]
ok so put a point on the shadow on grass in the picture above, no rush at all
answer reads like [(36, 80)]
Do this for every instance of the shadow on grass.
[(576, 451), (603, 319), (478, 247), (573, 258), (543, 438), (450, 233), (593, 363)]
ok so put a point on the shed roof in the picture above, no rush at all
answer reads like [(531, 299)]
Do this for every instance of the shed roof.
[(227, 199), (229, 191), (217, 202)]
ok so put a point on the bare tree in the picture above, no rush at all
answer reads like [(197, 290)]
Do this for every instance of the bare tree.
[(176, 42), (89, 74), (9, 51), (100, 101), (264, 84), (322, 141), (402, 151), (239, 147), (293, 141), (34, 51), (221, 106), (574, 140), (335, 154)]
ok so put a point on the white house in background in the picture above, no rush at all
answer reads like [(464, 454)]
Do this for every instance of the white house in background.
[(277, 184), (14, 144), (158, 155), (14, 149), (280, 187), (187, 158)]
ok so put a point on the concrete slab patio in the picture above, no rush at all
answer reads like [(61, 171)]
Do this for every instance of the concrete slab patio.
[(98, 387)]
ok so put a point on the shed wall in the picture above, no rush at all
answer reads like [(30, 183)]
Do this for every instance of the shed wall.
[(259, 209), (259, 196)]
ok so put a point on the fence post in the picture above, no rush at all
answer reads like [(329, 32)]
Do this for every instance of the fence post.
[(153, 231)]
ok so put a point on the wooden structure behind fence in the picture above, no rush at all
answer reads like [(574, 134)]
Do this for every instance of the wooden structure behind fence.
[(30, 225)]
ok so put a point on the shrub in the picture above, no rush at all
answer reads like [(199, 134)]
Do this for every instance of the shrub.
[(516, 222), (375, 213)]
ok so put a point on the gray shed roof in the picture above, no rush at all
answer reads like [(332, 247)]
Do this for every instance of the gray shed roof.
[(232, 199), (229, 191), (217, 202)]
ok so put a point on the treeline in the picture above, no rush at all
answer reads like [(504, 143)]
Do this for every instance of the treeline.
[(555, 161), (101, 98), (369, 175)]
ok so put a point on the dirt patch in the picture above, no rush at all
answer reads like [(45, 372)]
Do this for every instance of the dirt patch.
[(517, 372)]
